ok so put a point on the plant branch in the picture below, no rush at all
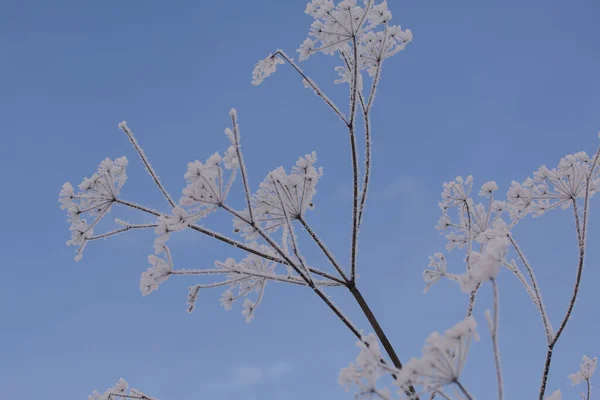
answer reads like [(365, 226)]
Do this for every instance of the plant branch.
[(228, 240), (494, 333), (536, 290), (464, 390), (312, 85), (238, 150), (324, 249), (351, 126), (123, 126)]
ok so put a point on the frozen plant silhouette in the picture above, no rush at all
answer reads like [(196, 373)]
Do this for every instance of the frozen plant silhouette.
[(362, 36)]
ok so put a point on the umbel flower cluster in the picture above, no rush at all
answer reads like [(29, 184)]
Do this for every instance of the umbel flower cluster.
[(268, 222)]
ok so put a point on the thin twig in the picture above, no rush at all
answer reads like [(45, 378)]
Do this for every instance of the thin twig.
[(144, 159), (464, 390), (228, 240), (290, 229), (323, 248), (535, 287), (494, 333), (351, 125), (238, 149), (313, 85)]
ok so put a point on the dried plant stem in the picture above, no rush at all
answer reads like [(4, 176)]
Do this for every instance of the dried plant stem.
[(240, 155), (464, 390), (229, 241), (312, 85), (367, 173), (535, 287), (354, 154), (146, 163), (581, 239), (494, 333), (323, 248)]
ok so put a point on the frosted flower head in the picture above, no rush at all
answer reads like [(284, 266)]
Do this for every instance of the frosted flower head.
[(227, 300), (264, 68), (456, 193), (159, 272), (280, 194), (475, 220), (248, 310), (586, 370), (487, 265), (336, 27), (246, 277), (120, 387), (552, 188), (438, 264), (366, 371), (488, 188), (205, 186), (94, 199), (444, 357)]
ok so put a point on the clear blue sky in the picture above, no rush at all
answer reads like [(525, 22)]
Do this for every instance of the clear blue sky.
[(493, 90)]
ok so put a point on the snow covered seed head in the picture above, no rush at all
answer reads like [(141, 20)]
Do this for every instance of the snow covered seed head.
[(264, 68), (335, 30), (487, 266), (438, 264), (367, 369), (280, 194), (119, 388), (248, 276), (586, 370), (159, 272), (552, 188), (95, 197), (443, 358)]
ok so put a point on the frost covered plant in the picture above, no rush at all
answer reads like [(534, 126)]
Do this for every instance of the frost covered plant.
[(269, 219), (485, 233), (272, 217)]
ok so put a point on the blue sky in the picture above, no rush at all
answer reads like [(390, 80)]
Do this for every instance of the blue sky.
[(493, 90)]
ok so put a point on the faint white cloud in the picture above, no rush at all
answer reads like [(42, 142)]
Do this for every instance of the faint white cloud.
[(279, 370), (403, 187), (245, 376)]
